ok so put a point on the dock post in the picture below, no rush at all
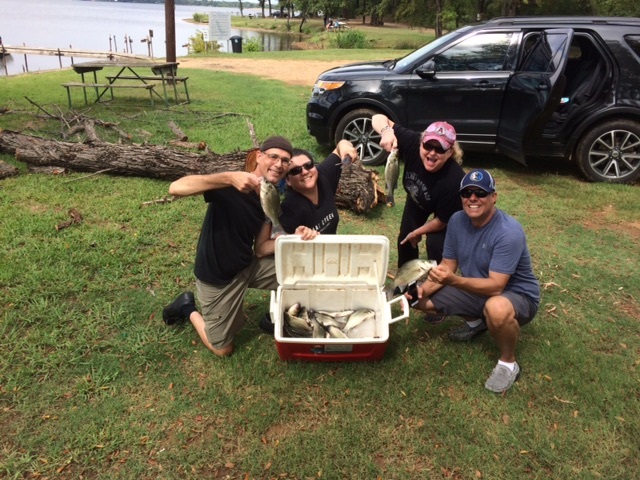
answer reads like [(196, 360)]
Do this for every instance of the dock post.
[(4, 60), (26, 63)]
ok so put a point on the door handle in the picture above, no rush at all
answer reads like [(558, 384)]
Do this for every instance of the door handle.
[(484, 84)]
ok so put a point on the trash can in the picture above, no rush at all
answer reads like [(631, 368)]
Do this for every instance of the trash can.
[(236, 44)]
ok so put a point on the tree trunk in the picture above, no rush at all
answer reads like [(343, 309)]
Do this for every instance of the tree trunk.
[(438, 25), (376, 20), (358, 189), (7, 170)]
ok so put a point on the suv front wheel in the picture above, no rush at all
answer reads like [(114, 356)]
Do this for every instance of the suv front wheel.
[(610, 152), (356, 127)]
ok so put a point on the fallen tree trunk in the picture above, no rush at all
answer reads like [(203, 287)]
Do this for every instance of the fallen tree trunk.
[(357, 191), (7, 170)]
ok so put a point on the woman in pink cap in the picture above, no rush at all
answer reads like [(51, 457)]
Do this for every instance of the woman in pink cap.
[(432, 175)]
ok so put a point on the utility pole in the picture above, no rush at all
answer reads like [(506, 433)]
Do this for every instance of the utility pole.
[(170, 29)]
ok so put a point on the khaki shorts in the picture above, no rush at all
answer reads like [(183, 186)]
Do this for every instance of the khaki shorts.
[(221, 305)]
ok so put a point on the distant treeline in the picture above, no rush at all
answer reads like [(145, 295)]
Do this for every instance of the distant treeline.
[(199, 3)]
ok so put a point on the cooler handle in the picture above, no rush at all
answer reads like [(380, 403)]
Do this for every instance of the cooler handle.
[(405, 308), (272, 305)]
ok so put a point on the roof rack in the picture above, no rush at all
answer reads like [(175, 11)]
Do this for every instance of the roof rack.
[(591, 20)]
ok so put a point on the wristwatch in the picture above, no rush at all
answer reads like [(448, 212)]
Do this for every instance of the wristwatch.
[(384, 129)]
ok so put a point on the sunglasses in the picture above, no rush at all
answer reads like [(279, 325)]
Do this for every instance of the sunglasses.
[(466, 193), (274, 157), (298, 170), (436, 148)]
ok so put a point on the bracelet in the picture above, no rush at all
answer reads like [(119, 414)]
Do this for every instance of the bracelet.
[(386, 128)]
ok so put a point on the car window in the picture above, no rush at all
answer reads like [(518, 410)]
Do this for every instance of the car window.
[(482, 52), (634, 42), (545, 54), (416, 55)]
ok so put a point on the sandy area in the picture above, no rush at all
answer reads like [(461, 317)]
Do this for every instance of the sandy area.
[(298, 72)]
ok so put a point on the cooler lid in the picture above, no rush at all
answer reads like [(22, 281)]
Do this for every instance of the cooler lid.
[(332, 259)]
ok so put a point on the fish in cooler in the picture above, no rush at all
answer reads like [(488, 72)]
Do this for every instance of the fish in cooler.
[(302, 322)]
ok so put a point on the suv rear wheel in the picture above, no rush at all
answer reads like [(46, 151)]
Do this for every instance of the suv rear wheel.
[(356, 127), (610, 152)]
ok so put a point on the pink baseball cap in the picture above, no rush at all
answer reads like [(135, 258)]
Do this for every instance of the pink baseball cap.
[(443, 132)]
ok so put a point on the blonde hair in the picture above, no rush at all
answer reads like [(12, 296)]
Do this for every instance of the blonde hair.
[(457, 153)]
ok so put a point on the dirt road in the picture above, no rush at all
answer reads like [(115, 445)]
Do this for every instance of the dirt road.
[(297, 72)]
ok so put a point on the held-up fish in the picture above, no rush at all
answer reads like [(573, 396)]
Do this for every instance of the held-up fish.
[(391, 174), (411, 271), (347, 164), (270, 201), (347, 160)]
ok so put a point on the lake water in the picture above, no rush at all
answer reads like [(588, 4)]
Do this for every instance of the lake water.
[(103, 26)]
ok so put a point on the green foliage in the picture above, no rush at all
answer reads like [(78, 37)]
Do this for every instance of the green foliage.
[(622, 8), (348, 39), (252, 45), (407, 45), (197, 44), (201, 18)]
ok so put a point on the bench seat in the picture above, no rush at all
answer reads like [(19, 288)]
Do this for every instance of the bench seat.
[(106, 86), (166, 80), (158, 78)]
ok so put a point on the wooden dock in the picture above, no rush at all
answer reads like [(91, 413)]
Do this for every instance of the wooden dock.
[(68, 52)]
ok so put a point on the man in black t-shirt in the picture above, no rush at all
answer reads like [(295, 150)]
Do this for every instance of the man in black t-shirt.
[(235, 249)]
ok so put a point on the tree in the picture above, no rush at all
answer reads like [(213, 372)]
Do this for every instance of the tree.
[(509, 8), (622, 8), (438, 25)]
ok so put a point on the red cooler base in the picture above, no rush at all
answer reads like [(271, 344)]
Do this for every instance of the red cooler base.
[(363, 352)]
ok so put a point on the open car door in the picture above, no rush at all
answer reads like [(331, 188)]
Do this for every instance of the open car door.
[(533, 92)]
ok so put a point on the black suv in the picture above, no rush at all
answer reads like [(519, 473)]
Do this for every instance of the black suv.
[(563, 87)]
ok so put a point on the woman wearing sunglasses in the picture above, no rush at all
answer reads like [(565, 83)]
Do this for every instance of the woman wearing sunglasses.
[(432, 175), (310, 197)]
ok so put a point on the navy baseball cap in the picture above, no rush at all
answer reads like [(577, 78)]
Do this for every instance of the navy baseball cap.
[(479, 178)]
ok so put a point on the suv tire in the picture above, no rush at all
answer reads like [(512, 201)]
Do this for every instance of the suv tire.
[(356, 127), (610, 152)]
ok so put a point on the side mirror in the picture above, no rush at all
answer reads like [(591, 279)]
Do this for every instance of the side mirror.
[(427, 70)]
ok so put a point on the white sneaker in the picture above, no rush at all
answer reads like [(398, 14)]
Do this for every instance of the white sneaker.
[(502, 378)]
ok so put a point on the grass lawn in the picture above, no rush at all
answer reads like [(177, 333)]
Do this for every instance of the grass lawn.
[(94, 385)]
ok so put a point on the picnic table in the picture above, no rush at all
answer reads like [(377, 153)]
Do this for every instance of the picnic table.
[(130, 74), (336, 25)]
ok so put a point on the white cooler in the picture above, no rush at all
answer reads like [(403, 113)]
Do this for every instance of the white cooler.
[(334, 273)]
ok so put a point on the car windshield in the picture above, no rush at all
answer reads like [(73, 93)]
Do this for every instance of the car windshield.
[(431, 46)]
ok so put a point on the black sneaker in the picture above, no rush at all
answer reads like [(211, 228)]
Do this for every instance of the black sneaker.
[(172, 313), (434, 319), (266, 325), (465, 333)]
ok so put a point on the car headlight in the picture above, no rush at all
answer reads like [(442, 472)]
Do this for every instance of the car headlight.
[(321, 86)]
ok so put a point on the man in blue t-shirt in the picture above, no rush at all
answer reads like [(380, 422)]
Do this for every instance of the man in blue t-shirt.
[(496, 288)]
